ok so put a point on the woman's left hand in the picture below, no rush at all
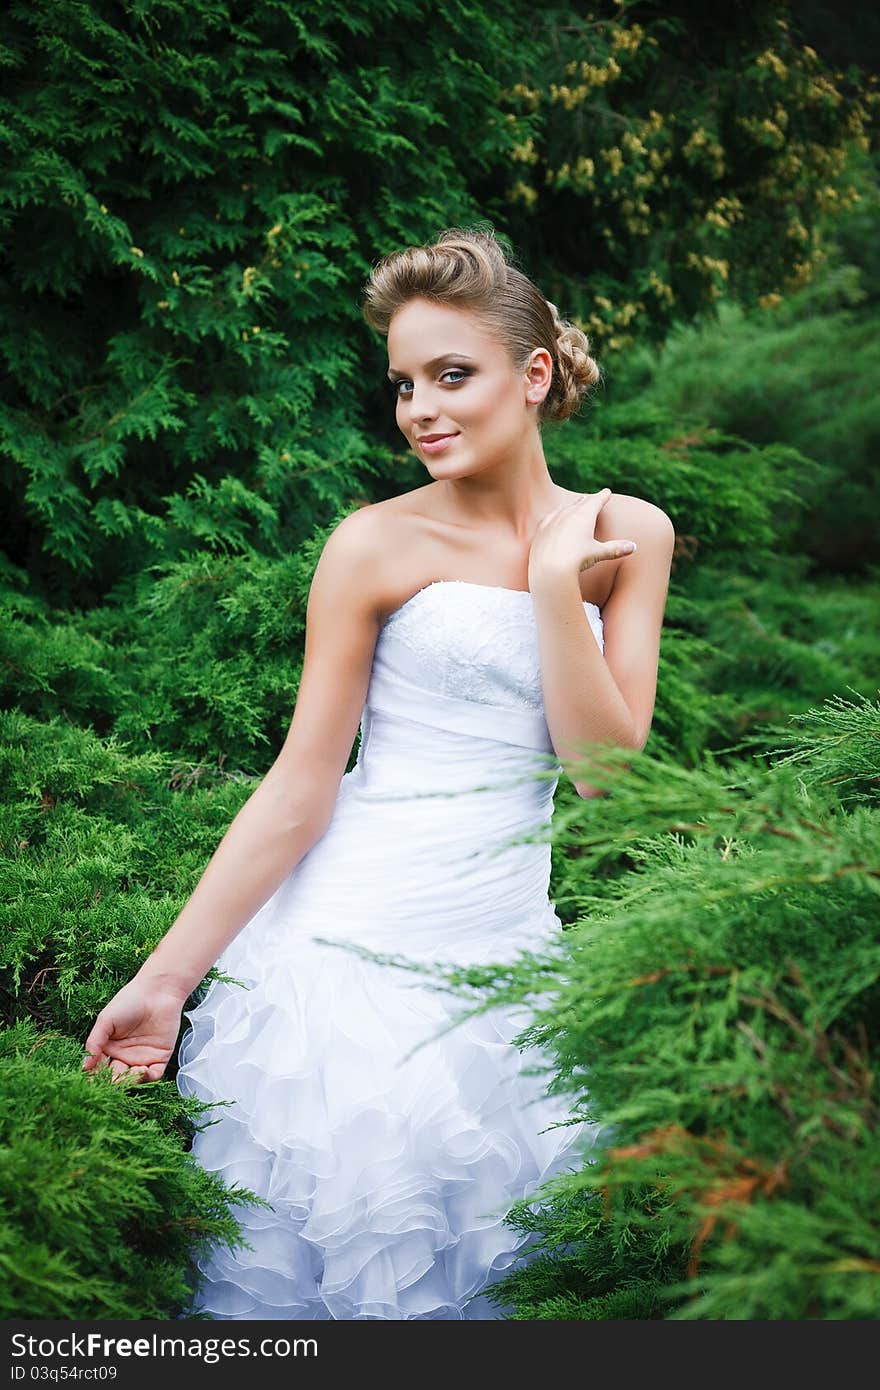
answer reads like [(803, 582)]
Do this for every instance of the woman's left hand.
[(565, 539)]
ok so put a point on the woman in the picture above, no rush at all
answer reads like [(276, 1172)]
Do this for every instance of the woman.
[(482, 630)]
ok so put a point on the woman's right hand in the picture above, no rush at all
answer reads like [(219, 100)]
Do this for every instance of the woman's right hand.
[(136, 1032)]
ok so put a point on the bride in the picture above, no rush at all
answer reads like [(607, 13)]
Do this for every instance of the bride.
[(471, 627)]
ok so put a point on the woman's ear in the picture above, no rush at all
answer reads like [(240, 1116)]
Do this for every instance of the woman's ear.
[(539, 374)]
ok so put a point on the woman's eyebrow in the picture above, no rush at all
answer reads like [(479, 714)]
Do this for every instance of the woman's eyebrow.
[(434, 362)]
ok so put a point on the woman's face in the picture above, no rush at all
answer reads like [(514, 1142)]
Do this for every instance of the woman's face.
[(451, 378)]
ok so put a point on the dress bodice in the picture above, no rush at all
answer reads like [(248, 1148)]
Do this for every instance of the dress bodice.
[(464, 658)]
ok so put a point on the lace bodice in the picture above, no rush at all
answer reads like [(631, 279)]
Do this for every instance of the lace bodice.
[(464, 657)]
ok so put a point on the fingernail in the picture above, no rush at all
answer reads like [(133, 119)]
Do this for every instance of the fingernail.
[(628, 547)]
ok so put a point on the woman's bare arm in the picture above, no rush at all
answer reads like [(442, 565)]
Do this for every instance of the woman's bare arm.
[(293, 805)]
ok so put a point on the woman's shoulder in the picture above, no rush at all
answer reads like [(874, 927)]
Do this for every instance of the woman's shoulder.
[(379, 544), (390, 520), (623, 509), (397, 526)]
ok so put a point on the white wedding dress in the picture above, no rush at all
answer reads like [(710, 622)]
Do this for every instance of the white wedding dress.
[(389, 1166)]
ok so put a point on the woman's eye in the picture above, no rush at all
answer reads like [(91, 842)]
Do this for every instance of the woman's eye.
[(407, 384)]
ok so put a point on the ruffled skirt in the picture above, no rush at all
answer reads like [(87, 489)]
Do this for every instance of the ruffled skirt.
[(388, 1135)]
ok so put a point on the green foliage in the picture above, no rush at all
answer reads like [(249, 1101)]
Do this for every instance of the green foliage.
[(593, 1265), (704, 152), (102, 850), (192, 194), (802, 374), (100, 1210), (713, 1008), (752, 629)]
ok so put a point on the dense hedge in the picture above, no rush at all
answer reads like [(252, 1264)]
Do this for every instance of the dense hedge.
[(715, 1006), (192, 193), (101, 1208)]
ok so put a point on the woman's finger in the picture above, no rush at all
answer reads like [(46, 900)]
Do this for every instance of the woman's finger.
[(615, 548), (99, 1036)]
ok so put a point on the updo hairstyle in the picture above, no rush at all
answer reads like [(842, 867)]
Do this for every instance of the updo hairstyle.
[(468, 268)]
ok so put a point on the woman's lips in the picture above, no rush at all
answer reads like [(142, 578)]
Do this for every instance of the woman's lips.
[(436, 446)]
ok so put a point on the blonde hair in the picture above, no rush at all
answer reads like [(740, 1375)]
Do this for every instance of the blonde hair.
[(469, 268)]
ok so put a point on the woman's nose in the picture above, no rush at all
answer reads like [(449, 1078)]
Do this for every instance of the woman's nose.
[(422, 406)]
